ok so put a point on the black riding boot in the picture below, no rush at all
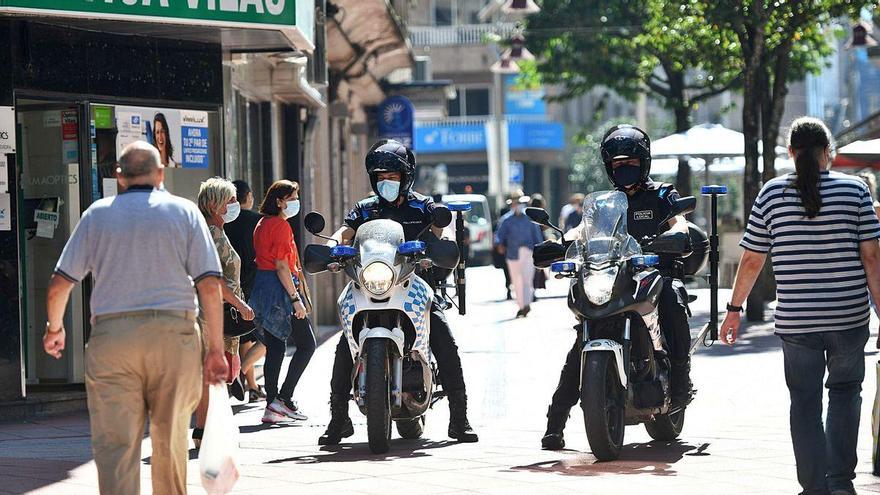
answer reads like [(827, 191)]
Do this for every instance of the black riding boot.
[(681, 381), (553, 438), (340, 424), (459, 427)]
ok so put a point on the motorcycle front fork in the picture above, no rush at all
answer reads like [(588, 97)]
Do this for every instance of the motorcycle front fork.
[(396, 381), (626, 343)]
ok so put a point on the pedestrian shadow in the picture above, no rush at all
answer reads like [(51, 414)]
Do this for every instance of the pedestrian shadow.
[(653, 458), (355, 452)]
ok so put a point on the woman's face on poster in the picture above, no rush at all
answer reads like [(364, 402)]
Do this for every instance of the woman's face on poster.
[(160, 134)]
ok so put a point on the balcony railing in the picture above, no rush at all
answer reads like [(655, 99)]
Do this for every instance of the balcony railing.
[(464, 34)]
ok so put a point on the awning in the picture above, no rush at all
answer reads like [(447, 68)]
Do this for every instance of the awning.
[(257, 25), (859, 154), (365, 43)]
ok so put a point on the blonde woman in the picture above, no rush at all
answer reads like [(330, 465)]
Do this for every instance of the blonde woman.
[(218, 204)]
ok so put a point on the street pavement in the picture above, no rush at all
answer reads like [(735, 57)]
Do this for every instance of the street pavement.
[(736, 438)]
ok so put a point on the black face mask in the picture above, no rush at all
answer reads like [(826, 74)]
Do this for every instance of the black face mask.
[(627, 175)]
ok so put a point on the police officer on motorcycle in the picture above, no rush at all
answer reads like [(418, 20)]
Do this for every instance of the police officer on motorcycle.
[(391, 167), (626, 153)]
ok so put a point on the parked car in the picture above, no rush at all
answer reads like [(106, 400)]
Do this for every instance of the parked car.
[(479, 222)]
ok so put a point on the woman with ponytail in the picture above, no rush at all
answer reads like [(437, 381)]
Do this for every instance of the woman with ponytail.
[(821, 231)]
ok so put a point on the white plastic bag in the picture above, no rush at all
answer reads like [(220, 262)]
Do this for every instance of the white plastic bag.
[(219, 444)]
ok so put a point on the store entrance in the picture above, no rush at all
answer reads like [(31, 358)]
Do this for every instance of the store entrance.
[(53, 196)]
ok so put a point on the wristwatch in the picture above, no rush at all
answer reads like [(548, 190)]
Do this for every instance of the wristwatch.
[(731, 307), (294, 297)]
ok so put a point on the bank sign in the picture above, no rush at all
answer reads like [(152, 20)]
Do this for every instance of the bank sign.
[(460, 138), (233, 13)]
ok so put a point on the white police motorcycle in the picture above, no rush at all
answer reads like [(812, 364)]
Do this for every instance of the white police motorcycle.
[(385, 314)]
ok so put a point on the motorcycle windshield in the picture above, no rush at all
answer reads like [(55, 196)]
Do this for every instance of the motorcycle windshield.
[(603, 235), (378, 240)]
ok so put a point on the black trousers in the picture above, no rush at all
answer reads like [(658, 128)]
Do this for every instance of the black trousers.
[(442, 346), (672, 307), (302, 336)]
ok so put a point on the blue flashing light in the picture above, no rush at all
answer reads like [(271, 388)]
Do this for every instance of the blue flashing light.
[(647, 260), (713, 189), (343, 252), (411, 247), (459, 206), (562, 267)]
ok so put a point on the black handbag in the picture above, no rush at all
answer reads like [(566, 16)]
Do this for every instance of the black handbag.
[(234, 325)]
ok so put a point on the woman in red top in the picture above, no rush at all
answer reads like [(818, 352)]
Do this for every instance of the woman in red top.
[(280, 300)]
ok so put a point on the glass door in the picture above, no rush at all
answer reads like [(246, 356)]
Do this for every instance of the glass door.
[(53, 198)]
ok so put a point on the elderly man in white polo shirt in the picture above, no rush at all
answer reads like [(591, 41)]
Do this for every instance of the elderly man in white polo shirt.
[(150, 255)]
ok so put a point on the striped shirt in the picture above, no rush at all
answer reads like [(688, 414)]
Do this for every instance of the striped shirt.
[(820, 280)]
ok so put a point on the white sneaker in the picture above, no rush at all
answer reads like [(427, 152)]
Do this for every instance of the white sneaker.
[(272, 417), (287, 408)]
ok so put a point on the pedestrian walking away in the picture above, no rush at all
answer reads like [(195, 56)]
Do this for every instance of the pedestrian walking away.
[(280, 299), (516, 238), (821, 231), (143, 358), (218, 204)]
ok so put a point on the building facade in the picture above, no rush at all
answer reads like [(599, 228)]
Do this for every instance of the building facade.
[(248, 93)]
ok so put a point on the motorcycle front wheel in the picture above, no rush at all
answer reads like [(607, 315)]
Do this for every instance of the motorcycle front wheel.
[(604, 406), (378, 395)]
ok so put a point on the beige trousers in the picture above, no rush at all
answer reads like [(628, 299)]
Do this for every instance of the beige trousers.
[(140, 364), (522, 275)]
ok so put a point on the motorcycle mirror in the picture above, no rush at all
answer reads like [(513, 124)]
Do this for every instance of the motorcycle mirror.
[(442, 216), (314, 222), (538, 215), (685, 205)]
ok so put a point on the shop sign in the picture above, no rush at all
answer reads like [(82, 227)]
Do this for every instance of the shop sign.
[(466, 137), (396, 120), (233, 13), (7, 130)]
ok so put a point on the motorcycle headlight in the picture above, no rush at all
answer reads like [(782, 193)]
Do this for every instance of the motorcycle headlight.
[(599, 285), (378, 278)]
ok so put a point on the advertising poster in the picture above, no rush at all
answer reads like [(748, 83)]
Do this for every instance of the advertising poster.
[(4, 174), (70, 135), (181, 136), (194, 139), (7, 130), (5, 212)]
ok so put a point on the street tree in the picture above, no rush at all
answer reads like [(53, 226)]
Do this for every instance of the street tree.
[(665, 49), (777, 42)]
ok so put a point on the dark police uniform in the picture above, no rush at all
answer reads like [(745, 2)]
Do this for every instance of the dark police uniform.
[(414, 214), (647, 208)]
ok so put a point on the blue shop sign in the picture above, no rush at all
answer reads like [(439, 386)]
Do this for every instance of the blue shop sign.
[(450, 138), (395, 116), (458, 138)]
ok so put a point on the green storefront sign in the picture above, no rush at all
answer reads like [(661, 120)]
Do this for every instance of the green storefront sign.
[(235, 13)]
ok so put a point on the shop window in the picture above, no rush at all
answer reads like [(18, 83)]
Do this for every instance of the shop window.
[(443, 12)]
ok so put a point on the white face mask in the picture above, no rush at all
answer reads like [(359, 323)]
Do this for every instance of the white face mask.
[(389, 190), (232, 211), (292, 208)]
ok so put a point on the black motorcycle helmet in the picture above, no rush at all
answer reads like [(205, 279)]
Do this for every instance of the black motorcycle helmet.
[(388, 155), (628, 141)]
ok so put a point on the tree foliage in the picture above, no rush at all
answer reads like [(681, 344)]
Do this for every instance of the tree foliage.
[(663, 48)]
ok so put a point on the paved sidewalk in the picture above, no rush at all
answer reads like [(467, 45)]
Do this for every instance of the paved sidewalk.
[(736, 438)]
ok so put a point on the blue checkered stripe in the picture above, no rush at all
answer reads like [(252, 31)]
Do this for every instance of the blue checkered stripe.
[(347, 309), (416, 306)]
